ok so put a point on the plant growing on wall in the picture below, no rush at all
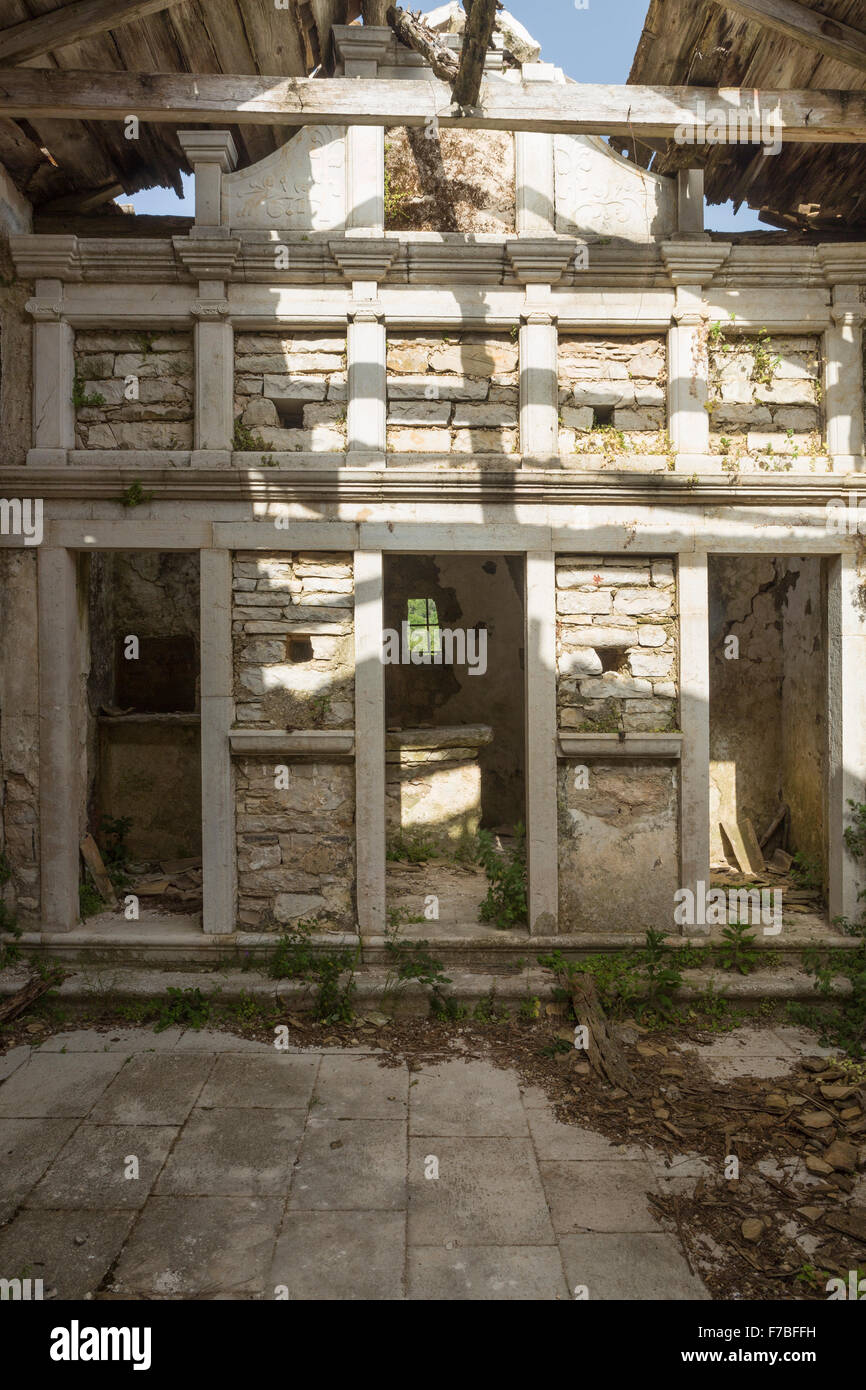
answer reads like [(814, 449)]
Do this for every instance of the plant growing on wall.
[(81, 400), (243, 439), (134, 495), (505, 904)]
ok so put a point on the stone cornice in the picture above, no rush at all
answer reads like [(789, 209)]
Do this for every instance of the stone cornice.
[(207, 259), (540, 260), (315, 481), (843, 263), (426, 259), (694, 262), (46, 257), (362, 258)]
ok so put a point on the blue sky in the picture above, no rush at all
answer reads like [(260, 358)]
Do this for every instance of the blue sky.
[(592, 44)]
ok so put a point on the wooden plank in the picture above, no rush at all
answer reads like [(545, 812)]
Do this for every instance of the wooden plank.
[(753, 849), (93, 859), (71, 24), (211, 99), (735, 838), (809, 27)]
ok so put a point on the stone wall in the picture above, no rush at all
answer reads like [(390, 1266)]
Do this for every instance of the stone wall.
[(612, 398), (290, 392), (293, 636), (19, 735), (433, 784), (453, 392), (293, 626), (765, 400), (618, 850), (616, 644), (109, 366), (449, 181)]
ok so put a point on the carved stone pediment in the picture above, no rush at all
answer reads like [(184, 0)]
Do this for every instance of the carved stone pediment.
[(600, 195), (300, 187)]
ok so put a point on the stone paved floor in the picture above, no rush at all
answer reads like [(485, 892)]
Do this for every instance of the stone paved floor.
[(261, 1171)]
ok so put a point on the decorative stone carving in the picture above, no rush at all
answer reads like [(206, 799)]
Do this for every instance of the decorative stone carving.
[(599, 194), (300, 187)]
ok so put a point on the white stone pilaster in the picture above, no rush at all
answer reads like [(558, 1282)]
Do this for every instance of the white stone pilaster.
[(211, 153), (214, 369), (843, 380), (219, 844), (844, 266), (366, 353), (60, 731), (691, 262), (539, 384), (369, 742), (693, 600), (542, 839), (846, 718), (535, 187), (688, 370), (53, 376)]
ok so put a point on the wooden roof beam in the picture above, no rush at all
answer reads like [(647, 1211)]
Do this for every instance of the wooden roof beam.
[(70, 24), (812, 117), (809, 27)]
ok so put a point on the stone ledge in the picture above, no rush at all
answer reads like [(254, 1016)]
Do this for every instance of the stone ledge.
[(637, 745), (298, 743), (449, 736)]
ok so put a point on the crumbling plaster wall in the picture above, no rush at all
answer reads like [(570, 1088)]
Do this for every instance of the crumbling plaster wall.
[(469, 591), (768, 709), (144, 767), (293, 639), (453, 392), (19, 734), (612, 399), (295, 377), (133, 390)]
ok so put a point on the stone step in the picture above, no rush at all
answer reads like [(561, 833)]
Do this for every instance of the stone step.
[(378, 989)]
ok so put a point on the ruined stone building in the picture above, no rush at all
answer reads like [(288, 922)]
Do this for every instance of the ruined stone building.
[(431, 479)]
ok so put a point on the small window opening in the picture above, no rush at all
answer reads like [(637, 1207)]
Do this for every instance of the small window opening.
[(602, 415), (423, 620), (300, 649), (291, 414), (613, 658)]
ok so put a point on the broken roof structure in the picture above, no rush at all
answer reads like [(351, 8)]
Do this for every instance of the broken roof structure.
[(752, 45)]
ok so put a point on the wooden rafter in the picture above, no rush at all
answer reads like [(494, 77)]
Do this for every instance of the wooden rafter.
[(812, 117), (477, 33), (807, 26), (70, 24)]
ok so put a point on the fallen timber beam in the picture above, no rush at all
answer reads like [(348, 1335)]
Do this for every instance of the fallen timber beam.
[(811, 117)]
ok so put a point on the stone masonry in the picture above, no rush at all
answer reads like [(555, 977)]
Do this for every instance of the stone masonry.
[(616, 644), (294, 670), (765, 401), (133, 390), (453, 392), (290, 392), (612, 398)]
